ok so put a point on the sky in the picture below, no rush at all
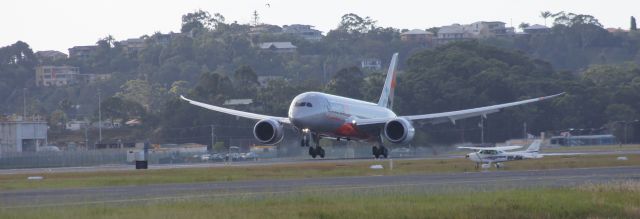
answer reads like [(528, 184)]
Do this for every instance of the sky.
[(62, 24)]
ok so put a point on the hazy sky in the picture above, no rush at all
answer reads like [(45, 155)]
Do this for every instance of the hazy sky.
[(61, 24)]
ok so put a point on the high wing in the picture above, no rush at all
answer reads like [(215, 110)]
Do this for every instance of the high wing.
[(452, 116), (237, 112), (503, 148)]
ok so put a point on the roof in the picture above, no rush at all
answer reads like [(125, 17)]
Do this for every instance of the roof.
[(536, 27), (455, 28), (277, 45), (234, 102), (416, 32), (50, 53)]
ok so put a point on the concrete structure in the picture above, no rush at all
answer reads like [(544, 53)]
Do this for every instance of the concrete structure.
[(22, 136), (56, 75), (578, 140), (82, 52), (484, 29), (371, 64), (133, 44), (454, 32), (75, 125), (480, 29), (50, 55), (305, 31), (537, 29), (417, 36), (279, 47), (92, 78)]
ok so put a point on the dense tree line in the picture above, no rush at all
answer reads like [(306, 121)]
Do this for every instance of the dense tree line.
[(213, 61)]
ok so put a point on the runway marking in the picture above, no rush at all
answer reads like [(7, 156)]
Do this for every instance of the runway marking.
[(337, 188)]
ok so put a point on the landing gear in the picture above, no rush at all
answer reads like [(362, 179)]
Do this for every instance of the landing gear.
[(380, 151), (316, 151), (304, 142), (313, 151), (499, 165)]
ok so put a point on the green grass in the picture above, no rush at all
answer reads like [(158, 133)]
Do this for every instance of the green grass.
[(615, 200), (289, 171)]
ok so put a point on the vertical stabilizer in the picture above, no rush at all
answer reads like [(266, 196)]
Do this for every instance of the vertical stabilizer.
[(534, 147), (386, 98)]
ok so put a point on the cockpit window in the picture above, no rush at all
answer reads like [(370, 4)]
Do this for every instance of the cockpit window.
[(307, 104)]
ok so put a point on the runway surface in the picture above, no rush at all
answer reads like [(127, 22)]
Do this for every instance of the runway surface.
[(428, 182)]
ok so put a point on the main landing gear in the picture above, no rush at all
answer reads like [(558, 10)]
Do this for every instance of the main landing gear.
[(380, 151), (315, 151)]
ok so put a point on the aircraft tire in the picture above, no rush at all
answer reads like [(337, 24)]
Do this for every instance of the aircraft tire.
[(384, 152), (320, 151), (312, 152), (376, 152)]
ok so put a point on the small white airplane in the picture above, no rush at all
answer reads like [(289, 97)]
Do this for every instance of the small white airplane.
[(485, 156)]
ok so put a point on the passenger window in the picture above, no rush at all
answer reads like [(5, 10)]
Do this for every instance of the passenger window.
[(309, 104), (301, 104)]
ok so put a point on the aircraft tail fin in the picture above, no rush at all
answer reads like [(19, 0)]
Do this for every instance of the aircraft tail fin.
[(534, 147), (386, 98)]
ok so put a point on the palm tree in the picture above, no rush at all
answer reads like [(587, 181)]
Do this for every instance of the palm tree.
[(545, 15)]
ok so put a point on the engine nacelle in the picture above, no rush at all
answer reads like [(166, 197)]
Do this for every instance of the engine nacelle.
[(268, 131), (399, 131)]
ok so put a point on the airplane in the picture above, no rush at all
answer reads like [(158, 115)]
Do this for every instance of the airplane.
[(319, 115), (485, 156)]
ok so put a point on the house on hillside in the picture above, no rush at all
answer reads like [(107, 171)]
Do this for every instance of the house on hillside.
[(133, 45), (279, 47), (537, 29), (371, 64), (82, 52), (49, 75), (50, 55), (305, 31), (417, 36)]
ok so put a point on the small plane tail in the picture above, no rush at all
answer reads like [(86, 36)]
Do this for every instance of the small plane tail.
[(386, 98), (534, 147)]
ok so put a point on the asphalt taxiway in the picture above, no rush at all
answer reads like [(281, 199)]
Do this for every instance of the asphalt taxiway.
[(427, 182)]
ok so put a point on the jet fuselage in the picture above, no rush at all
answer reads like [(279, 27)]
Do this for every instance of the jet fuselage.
[(334, 116)]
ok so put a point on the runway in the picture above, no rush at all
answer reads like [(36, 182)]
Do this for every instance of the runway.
[(428, 182)]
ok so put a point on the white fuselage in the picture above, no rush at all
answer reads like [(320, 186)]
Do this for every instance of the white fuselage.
[(495, 156), (330, 115)]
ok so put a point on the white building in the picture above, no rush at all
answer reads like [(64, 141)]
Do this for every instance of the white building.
[(56, 75), (22, 136), (371, 63), (305, 31)]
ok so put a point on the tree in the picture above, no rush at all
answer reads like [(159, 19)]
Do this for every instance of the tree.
[(347, 82), (545, 15), (352, 23), (58, 120), (246, 82), (523, 25), (633, 24), (196, 20)]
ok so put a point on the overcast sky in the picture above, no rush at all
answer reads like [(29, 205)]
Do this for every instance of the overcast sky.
[(61, 24)]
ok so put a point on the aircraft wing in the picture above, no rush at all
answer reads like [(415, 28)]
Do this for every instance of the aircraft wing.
[(452, 116), (503, 148), (239, 113)]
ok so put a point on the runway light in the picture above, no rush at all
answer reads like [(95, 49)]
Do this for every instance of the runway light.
[(353, 121)]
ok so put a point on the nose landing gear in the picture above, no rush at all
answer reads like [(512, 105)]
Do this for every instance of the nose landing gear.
[(313, 151), (380, 151)]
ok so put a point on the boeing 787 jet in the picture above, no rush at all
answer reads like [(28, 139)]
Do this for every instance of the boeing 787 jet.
[(319, 115)]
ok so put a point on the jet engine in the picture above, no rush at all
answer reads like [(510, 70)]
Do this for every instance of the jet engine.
[(399, 131), (268, 131)]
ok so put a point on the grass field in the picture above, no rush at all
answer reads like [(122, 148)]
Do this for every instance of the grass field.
[(288, 171), (613, 200)]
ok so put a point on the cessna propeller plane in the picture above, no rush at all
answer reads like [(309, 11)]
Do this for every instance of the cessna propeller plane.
[(498, 155), (319, 115)]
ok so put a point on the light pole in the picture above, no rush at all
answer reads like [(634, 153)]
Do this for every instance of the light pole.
[(99, 117)]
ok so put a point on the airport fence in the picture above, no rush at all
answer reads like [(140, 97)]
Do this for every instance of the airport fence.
[(83, 158)]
